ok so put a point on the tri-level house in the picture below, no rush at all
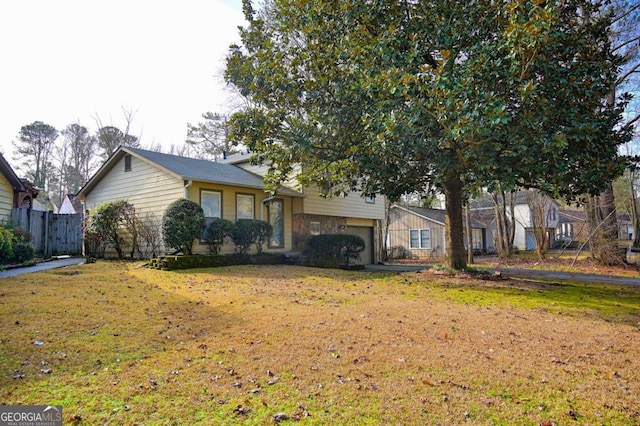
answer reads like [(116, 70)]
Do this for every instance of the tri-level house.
[(231, 190)]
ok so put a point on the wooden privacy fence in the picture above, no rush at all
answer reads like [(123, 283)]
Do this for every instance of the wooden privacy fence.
[(52, 234)]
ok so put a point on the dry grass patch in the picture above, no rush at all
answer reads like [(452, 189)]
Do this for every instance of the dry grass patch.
[(120, 344)]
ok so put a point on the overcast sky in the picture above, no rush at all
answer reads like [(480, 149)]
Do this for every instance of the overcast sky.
[(69, 61)]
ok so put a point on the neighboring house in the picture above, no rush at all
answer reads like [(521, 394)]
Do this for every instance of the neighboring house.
[(526, 204), (152, 180), (419, 232), (314, 215), (11, 188), (27, 198), (71, 205), (573, 226)]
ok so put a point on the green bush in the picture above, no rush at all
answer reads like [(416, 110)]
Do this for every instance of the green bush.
[(6, 245), (216, 233), (21, 235), (182, 223), (250, 231), (23, 252), (105, 224), (335, 249)]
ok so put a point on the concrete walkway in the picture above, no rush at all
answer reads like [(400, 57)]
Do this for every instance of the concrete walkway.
[(43, 266), (526, 273)]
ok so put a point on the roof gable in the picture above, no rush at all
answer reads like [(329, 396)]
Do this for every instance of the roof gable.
[(435, 215), (11, 176), (185, 168), (486, 201), (567, 216)]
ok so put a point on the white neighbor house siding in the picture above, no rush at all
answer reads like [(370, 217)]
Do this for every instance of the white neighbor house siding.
[(147, 187), (524, 221), (6, 198), (522, 217)]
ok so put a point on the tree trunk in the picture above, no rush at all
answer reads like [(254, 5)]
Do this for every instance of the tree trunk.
[(454, 238), (634, 211), (603, 228), (505, 224), (469, 235)]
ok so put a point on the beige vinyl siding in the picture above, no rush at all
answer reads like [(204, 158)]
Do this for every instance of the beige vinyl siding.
[(147, 187), (353, 205), (261, 170), (401, 223), (229, 211), (6, 199), (361, 222), (255, 169)]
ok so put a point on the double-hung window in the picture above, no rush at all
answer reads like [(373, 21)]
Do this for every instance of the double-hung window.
[(420, 238)]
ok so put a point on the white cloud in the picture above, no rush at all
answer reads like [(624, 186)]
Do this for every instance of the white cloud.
[(72, 60)]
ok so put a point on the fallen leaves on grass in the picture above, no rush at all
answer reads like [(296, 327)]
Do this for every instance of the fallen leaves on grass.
[(257, 344)]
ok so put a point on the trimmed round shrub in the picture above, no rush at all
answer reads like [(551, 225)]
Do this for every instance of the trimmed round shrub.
[(23, 252), (250, 231), (216, 232), (182, 223)]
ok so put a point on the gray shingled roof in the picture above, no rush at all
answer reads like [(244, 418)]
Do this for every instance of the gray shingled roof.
[(438, 215), (485, 201), (206, 171)]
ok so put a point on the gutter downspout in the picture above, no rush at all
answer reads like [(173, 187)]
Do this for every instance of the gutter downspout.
[(186, 189)]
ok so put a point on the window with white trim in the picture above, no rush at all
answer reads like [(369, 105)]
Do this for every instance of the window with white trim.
[(420, 238)]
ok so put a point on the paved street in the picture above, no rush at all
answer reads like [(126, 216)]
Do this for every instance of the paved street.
[(526, 273)]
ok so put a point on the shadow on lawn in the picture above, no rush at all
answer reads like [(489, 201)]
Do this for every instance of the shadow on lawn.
[(284, 272), (85, 323)]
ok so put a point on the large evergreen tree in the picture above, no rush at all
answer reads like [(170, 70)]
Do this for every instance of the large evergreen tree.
[(210, 138), (389, 96), (110, 138), (36, 142)]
